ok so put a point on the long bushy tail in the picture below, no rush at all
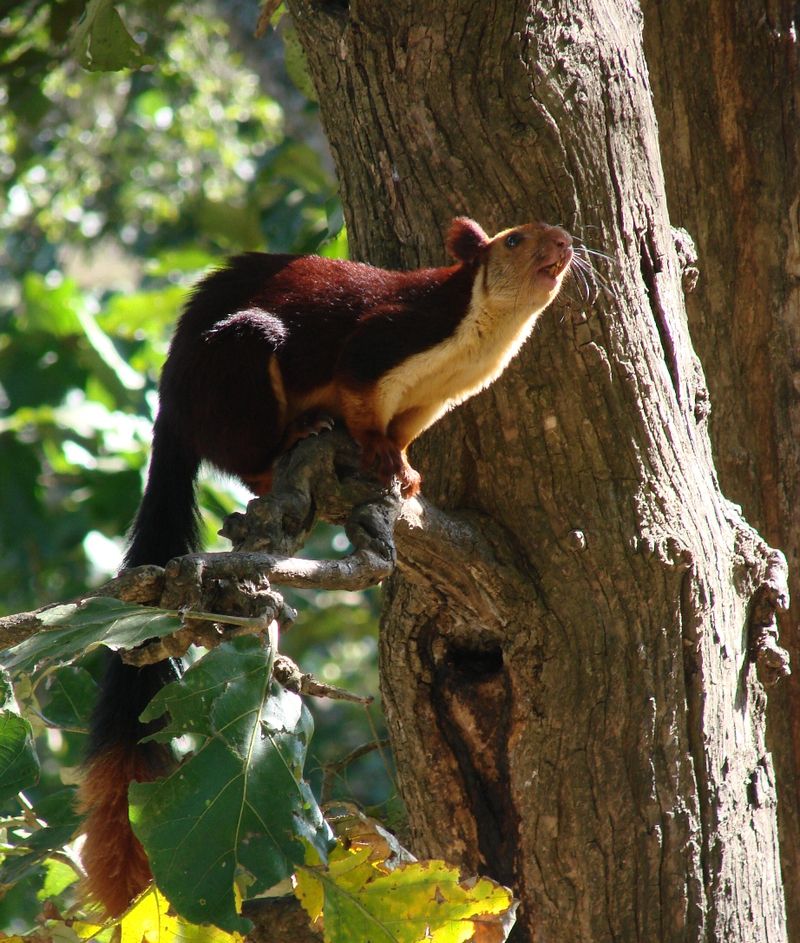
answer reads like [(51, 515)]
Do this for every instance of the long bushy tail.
[(116, 866), (165, 527), (166, 522)]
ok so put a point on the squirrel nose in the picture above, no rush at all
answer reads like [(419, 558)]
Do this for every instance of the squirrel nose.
[(560, 237)]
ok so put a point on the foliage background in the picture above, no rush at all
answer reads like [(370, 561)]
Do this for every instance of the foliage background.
[(117, 191)]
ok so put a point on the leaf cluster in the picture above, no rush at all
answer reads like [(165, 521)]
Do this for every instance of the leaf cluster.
[(236, 817)]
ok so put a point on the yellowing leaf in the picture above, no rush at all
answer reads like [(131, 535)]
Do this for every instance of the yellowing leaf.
[(353, 867), (58, 931), (150, 921), (307, 888), (418, 901), (309, 891)]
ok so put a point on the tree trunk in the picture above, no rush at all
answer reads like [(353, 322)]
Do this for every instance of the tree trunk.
[(572, 700), (725, 82)]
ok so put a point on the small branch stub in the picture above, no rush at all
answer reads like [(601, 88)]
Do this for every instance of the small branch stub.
[(771, 597), (291, 677)]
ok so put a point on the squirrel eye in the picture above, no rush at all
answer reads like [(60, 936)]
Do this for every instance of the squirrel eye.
[(513, 239)]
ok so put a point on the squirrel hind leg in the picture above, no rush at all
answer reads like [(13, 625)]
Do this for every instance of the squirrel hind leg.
[(236, 404), (381, 455), (304, 426), (383, 450), (238, 419), (260, 484)]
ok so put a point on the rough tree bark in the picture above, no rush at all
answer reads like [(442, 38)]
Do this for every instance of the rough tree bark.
[(573, 704), (725, 82)]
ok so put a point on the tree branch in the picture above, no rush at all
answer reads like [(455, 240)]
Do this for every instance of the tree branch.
[(465, 553)]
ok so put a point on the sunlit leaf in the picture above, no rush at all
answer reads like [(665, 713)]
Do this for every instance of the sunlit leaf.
[(308, 889), (110, 359), (51, 309), (238, 806), (61, 931), (152, 921), (190, 259), (59, 876), (143, 311), (423, 900), (149, 102), (78, 629)]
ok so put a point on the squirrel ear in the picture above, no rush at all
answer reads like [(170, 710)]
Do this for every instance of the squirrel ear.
[(465, 239)]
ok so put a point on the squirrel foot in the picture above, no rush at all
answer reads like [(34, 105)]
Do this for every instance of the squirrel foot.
[(381, 455), (305, 425)]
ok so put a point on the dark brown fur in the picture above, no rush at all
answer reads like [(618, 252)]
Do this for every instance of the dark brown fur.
[(323, 320)]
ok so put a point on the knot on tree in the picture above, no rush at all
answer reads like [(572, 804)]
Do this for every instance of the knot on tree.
[(770, 598), (687, 258)]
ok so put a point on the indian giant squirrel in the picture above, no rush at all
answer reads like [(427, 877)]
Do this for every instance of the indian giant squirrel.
[(266, 347)]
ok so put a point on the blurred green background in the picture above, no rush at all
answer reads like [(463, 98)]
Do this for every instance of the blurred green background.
[(118, 190)]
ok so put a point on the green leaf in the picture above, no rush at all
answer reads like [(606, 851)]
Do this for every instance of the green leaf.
[(234, 224), (359, 899), (19, 765), (236, 809), (52, 310), (70, 693), (102, 44), (150, 311), (78, 629), (190, 259), (33, 848), (296, 64), (58, 810), (59, 876), (110, 360)]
